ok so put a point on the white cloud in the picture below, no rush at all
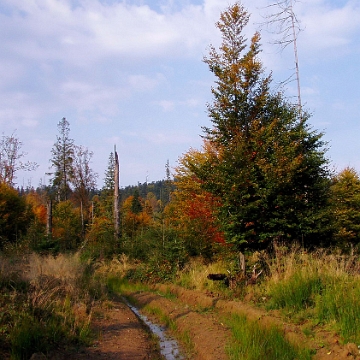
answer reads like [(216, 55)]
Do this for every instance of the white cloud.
[(166, 105), (54, 29), (328, 26), (144, 82)]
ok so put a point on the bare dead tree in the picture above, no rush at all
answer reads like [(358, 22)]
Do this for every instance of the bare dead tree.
[(83, 180), (283, 22), (116, 196), (10, 159)]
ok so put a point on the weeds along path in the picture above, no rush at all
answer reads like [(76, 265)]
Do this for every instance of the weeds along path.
[(197, 321)]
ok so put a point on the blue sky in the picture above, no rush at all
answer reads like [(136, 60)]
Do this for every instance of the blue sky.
[(130, 73)]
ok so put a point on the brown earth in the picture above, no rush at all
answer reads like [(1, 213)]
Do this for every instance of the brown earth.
[(199, 328)]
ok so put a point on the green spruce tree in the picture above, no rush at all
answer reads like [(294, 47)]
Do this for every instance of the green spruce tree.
[(109, 175), (268, 166), (136, 206), (62, 161)]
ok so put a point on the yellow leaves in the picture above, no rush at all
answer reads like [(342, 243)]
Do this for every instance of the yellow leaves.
[(37, 205)]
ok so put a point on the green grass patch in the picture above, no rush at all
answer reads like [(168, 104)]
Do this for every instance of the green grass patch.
[(186, 340), (339, 305), (295, 293), (121, 286), (252, 342), (167, 294), (159, 314)]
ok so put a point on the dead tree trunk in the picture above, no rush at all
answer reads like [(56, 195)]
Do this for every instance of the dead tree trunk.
[(242, 264), (116, 196)]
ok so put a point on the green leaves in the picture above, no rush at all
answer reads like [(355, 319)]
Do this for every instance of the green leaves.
[(269, 168), (345, 207), (14, 215)]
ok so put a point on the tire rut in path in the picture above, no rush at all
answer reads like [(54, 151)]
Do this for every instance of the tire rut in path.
[(121, 336)]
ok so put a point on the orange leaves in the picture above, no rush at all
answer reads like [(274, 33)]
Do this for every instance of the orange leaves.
[(132, 222), (195, 208), (200, 211), (38, 208)]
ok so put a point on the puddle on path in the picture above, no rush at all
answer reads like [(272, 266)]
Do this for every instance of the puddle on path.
[(168, 347)]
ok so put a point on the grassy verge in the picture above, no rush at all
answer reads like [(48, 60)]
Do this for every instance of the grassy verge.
[(317, 287), (45, 304), (313, 289), (251, 342)]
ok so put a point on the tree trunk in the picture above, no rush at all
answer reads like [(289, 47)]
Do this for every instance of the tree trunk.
[(242, 264), (116, 196)]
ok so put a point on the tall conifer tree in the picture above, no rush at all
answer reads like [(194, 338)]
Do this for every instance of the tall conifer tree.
[(109, 175), (269, 167), (62, 161)]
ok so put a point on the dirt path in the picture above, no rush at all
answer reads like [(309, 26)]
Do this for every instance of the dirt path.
[(197, 322), (120, 336)]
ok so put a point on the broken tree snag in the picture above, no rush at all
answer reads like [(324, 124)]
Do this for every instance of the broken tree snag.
[(116, 196), (242, 264)]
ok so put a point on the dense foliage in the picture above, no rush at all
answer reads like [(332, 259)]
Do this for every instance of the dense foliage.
[(266, 165), (14, 215)]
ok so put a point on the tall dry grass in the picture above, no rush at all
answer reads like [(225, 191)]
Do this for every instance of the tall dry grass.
[(50, 303), (194, 275), (320, 286)]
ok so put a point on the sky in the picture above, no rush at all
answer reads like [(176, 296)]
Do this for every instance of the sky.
[(130, 74)]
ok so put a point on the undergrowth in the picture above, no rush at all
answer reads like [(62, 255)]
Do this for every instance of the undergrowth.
[(45, 304), (318, 287)]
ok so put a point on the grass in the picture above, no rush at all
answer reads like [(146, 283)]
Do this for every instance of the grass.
[(45, 303), (194, 275), (187, 341), (119, 285), (339, 305), (159, 314), (322, 288), (318, 287), (252, 342), (298, 292)]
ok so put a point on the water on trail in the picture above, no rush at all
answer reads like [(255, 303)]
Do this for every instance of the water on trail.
[(168, 347)]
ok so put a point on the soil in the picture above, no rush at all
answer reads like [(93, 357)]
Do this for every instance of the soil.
[(119, 335), (199, 328)]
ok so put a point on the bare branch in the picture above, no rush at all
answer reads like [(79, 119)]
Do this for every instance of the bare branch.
[(10, 159), (286, 24)]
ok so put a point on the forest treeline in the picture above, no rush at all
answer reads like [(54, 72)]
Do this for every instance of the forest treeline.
[(261, 177)]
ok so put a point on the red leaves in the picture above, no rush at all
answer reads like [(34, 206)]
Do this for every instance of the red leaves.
[(201, 210)]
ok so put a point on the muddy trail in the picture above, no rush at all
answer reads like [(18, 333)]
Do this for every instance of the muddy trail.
[(195, 319)]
